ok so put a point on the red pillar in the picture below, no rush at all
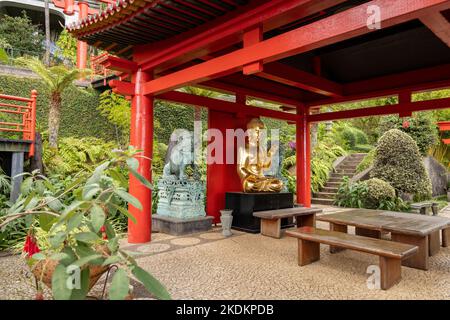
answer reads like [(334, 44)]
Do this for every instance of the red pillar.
[(303, 158), (141, 137), (82, 46)]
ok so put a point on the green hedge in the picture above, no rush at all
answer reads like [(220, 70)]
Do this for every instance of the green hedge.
[(80, 117)]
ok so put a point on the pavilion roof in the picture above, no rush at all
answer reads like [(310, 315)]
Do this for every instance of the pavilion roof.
[(132, 22)]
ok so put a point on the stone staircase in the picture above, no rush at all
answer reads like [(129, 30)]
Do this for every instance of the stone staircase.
[(346, 168)]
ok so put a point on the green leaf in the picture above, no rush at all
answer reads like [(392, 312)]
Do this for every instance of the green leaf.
[(133, 163), (74, 222), (97, 217), (81, 262), (110, 232), (84, 250), (113, 244), (80, 294), (38, 256), (90, 190), (120, 285), (46, 221), (125, 212), (86, 236), (60, 289), (70, 256), (57, 239), (111, 260), (141, 178), (119, 177), (53, 203), (151, 283), (98, 172), (59, 256), (128, 198), (26, 185)]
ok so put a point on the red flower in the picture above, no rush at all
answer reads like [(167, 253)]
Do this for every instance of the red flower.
[(405, 124), (103, 231), (30, 246)]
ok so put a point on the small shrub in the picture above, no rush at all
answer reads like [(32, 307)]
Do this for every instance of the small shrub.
[(378, 191), (364, 148), (398, 161)]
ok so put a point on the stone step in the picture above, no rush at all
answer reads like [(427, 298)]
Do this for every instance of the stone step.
[(329, 189), (324, 195), (338, 180), (346, 171), (346, 167), (322, 201), (330, 184), (340, 175)]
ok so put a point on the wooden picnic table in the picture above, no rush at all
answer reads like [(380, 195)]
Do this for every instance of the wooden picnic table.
[(422, 231)]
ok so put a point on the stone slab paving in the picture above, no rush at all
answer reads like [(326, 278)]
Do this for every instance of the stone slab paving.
[(250, 266)]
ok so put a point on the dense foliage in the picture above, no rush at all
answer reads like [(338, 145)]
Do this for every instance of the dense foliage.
[(78, 230), (371, 194), (80, 117), (399, 162), (67, 46), (367, 161), (21, 35), (422, 128)]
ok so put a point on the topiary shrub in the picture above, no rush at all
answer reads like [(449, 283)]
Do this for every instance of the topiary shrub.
[(378, 191), (422, 128), (398, 161)]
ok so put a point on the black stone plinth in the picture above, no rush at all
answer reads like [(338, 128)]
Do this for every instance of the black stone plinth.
[(244, 204), (177, 227)]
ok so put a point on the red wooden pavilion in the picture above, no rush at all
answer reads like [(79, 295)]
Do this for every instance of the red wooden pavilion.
[(301, 54)]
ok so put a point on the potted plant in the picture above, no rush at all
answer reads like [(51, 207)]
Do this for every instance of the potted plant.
[(80, 234)]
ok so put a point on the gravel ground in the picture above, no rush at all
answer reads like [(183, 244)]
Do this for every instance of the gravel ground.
[(250, 266)]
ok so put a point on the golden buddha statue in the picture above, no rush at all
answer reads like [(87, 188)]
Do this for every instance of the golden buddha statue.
[(253, 160)]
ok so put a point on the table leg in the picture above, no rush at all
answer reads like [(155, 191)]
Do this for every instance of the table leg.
[(306, 220), (434, 243), (308, 252), (420, 259), (271, 228), (391, 272), (368, 232), (338, 228), (446, 237)]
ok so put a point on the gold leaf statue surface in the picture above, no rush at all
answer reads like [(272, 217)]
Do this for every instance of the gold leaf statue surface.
[(253, 160)]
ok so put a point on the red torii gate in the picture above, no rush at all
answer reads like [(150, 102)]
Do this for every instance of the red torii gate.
[(290, 52)]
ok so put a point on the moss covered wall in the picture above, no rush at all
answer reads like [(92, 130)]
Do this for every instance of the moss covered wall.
[(80, 117)]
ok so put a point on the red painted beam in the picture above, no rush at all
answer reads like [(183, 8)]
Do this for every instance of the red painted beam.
[(446, 141), (229, 88), (444, 125), (344, 25), (382, 110), (251, 37), (282, 73), (118, 64), (437, 23), (122, 87), (224, 106), (416, 80), (226, 31)]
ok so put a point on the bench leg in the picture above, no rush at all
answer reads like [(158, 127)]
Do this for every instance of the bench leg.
[(308, 252), (271, 228), (368, 233), (420, 259), (434, 243), (391, 272), (306, 221), (338, 228), (446, 237)]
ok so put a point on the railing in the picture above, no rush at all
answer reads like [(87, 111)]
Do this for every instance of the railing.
[(99, 70), (18, 116)]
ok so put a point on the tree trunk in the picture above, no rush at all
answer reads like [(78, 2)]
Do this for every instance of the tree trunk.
[(36, 161), (54, 118), (47, 34)]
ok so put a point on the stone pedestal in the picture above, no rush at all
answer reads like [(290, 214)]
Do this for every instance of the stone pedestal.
[(177, 226), (244, 204)]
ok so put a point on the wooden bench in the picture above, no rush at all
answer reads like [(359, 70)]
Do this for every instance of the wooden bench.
[(271, 219), (391, 253), (422, 207)]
